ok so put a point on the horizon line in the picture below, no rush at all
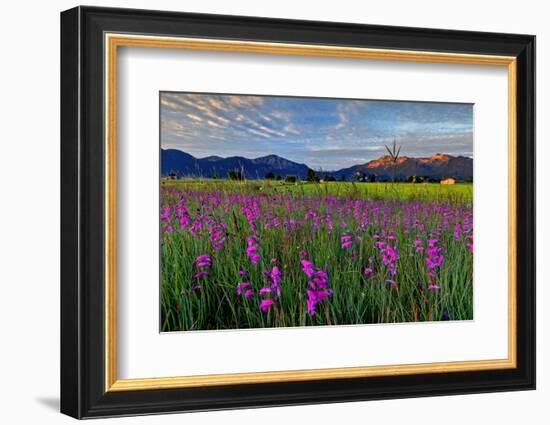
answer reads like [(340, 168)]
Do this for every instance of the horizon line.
[(303, 163)]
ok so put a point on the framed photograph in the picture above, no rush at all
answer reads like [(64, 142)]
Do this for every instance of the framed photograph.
[(261, 212)]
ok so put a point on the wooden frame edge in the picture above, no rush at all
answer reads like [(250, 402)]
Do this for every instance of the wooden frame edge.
[(110, 212), (306, 375), (512, 212)]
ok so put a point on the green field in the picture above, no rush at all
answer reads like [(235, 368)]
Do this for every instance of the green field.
[(252, 254), (460, 192)]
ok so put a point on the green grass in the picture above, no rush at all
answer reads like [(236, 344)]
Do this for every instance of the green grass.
[(460, 192)]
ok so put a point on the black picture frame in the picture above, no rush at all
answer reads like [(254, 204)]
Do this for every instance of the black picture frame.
[(83, 392)]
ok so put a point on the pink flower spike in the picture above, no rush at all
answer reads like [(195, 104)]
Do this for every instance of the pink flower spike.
[(203, 257), (200, 274), (307, 266), (266, 304), (275, 275), (346, 241), (165, 213), (310, 306), (265, 290), (241, 287), (433, 287), (367, 271), (251, 250)]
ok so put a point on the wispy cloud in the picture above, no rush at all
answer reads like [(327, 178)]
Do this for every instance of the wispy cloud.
[(195, 117), (324, 133)]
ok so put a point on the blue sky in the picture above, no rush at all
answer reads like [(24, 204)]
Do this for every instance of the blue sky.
[(326, 134)]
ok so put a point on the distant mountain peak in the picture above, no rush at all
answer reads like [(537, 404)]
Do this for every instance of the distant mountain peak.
[(441, 156), (271, 156), (386, 160)]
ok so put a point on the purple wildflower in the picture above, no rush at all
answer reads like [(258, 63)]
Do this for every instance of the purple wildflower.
[(241, 287), (217, 235), (266, 304), (457, 231), (346, 241), (470, 244), (307, 267), (310, 303), (165, 213), (252, 249), (199, 274), (434, 258), (318, 289), (203, 260), (201, 265), (275, 278)]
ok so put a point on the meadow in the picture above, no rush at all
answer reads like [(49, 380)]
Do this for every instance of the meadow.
[(260, 253)]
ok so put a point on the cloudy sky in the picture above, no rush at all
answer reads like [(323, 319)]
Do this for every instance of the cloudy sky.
[(323, 133)]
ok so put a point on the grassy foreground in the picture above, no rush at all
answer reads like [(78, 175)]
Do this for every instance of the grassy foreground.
[(268, 254)]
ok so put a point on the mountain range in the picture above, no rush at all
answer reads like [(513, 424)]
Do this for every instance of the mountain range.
[(183, 164), (436, 166)]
